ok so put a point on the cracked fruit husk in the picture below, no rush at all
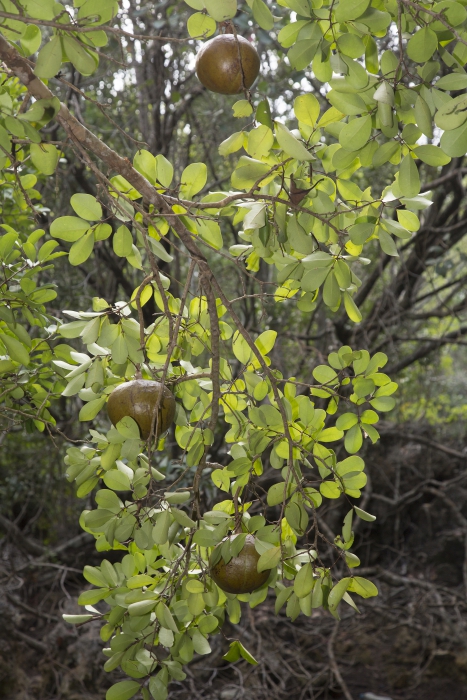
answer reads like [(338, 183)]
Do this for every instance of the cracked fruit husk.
[(241, 574), (138, 399), (219, 68)]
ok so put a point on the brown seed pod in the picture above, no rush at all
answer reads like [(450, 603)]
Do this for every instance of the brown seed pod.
[(241, 574), (227, 64), (138, 399)]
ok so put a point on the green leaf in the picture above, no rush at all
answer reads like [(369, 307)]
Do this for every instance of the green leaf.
[(324, 374), (122, 242), (141, 607), (331, 291), (68, 228), (352, 310), (182, 518), (49, 59), (288, 34), (77, 619), (260, 141), (408, 219), (301, 7), (234, 652), (245, 654), (409, 178), (363, 587), (353, 440), (249, 172), (454, 143), (423, 117), (15, 349), (123, 690), (452, 114), (432, 155), (161, 529), (232, 144), (177, 497), (80, 57), (276, 494), (145, 163), (210, 232), (347, 103), (220, 10), (269, 559), (45, 157), (266, 341), (86, 206), (165, 171), (351, 45), (350, 9), (159, 250), (364, 515), (116, 480), (262, 15), (304, 581), (241, 349), (290, 145), (242, 108), (128, 428), (337, 592), (387, 243), (201, 25), (91, 409), (40, 9), (263, 113), (193, 179), (93, 597), (329, 489), (346, 421), (31, 39), (383, 403), (304, 51), (82, 249), (356, 133), (313, 279), (384, 153), (452, 81), (306, 108), (422, 45)]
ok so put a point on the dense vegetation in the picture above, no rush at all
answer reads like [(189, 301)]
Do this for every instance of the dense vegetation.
[(282, 260)]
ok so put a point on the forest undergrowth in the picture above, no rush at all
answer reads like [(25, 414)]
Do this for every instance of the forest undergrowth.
[(408, 643)]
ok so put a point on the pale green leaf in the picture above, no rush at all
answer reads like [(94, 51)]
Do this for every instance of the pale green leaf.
[(269, 559), (49, 59), (82, 249), (80, 57), (306, 108), (356, 133), (15, 349), (220, 10), (68, 228), (422, 45), (350, 9), (124, 690), (122, 242), (86, 206), (432, 155), (200, 25), (409, 178), (45, 157), (193, 179)]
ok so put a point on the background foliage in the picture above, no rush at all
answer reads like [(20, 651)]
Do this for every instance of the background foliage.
[(240, 256)]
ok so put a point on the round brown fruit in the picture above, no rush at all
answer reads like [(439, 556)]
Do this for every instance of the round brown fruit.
[(219, 68), (138, 399), (241, 574)]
